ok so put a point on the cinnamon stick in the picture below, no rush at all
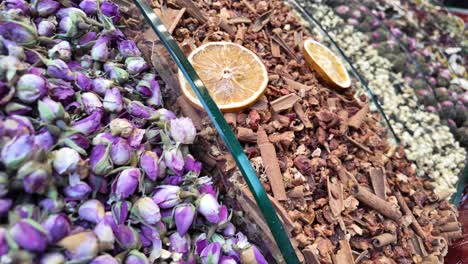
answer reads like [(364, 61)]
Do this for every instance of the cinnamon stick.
[(335, 196), (383, 207), (302, 116), (383, 239), (418, 246), (453, 235), (246, 135), (284, 102), (357, 119), (378, 182), (296, 85), (270, 161), (344, 255), (450, 227), (414, 224)]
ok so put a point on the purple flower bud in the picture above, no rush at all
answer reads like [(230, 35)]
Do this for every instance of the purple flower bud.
[(49, 110), (184, 215), (16, 125), (101, 85), (104, 259), (81, 245), (100, 160), (44, 140), (45, 28), (136, 137), (209, 207), (135, 65), (200, 243), (35, 176), (105, 235), (3, 243), (229, 230), (88, 37), (83, 82), (447, 104), (353, 22), (87, 63), (61, 91), (20, 5), (174, 160), (182, 130), (342, 9), (136, 257), (211, 253), (173, 180), (120, 211), (14, 108), (17, 150), (126, 183), (29, 235), (5, 205), (165, 115), (156, 97), (149, 164), (57, 226), (127, 237), (137, 109), (21, 33), (45, 8), (91, 103), (53, 258), (105, 138), (92, 211), (146, 210), (113, 101), (117, 74), (128, 48), (100, 50), (179, 244), (121, 127), (66, 160), (167, 196), (59, 69), (252, 255), (120, 152), (192, 165), (89, 7), (27, 211), (51, 206), (61, 51), (227, 260), (89, 124), (30, 88), (77, 191), (111, 10)]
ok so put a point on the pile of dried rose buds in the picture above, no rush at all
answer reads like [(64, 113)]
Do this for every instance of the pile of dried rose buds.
[(92, 169)]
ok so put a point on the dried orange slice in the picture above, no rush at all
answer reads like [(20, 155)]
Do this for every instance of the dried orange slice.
[(234, 76), (326, 64)]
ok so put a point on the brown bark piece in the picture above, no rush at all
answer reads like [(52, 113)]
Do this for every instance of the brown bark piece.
[(383, 207), (190, 112), (298, 39), (310, 256), (249, 6), (270, 161), (284, 102), (344, 255), (359, 145), (285, 138), (356, 120), (296, 85), (240, 34), (302, 116), (246, 135), (414, 224), (275, 49), (239, 20), (335, 196), (261, 21), (231, 118), (383, 240), (284, 46), (287, 222), (170, 17), (378, 182)]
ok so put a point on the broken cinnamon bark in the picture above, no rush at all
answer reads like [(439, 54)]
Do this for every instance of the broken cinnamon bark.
[(284, 102), (378, 182), (383, 239), (385, 208), (357, 119)]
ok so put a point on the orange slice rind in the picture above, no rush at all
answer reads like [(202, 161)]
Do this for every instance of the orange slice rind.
[(326, 64), (233, 75)]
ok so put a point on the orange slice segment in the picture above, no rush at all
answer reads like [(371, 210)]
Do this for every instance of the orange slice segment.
[(326, 64), (234, 76)]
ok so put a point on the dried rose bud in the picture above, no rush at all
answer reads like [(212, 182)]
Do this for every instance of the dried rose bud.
[(135, 65), (30, 88), (120, 211), (139, 110), (252, 255), (66, 160), (104, 259), (342, 9), (78, 191), (89, 7), (89, 124), (45, 8), (146, 210), (50, 205), (126, 183), (117, 74), (165, 115), (174, 160), (86, 62), (80, 245), (227, 260), (167, 196), (184, 215), (192, 165), (100, 50), (128, 48), (44, 139), (209, 207), (229, 230), (149, 164), (92, 211), (50, 110), (53, 258), (29, 235), (17, 150), (14, 108), (121, 127), (127, 237), (101, 85), (99, 160), (5, 206), (120, 152), (211, 253), (21, 33), (182, 130), (61, 50), (83, 82), (178, 243), (57, 68), (105, 235), (35, 176), (20, 6), (113, 101), (57, 226), (111, 10), (136, 257)]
